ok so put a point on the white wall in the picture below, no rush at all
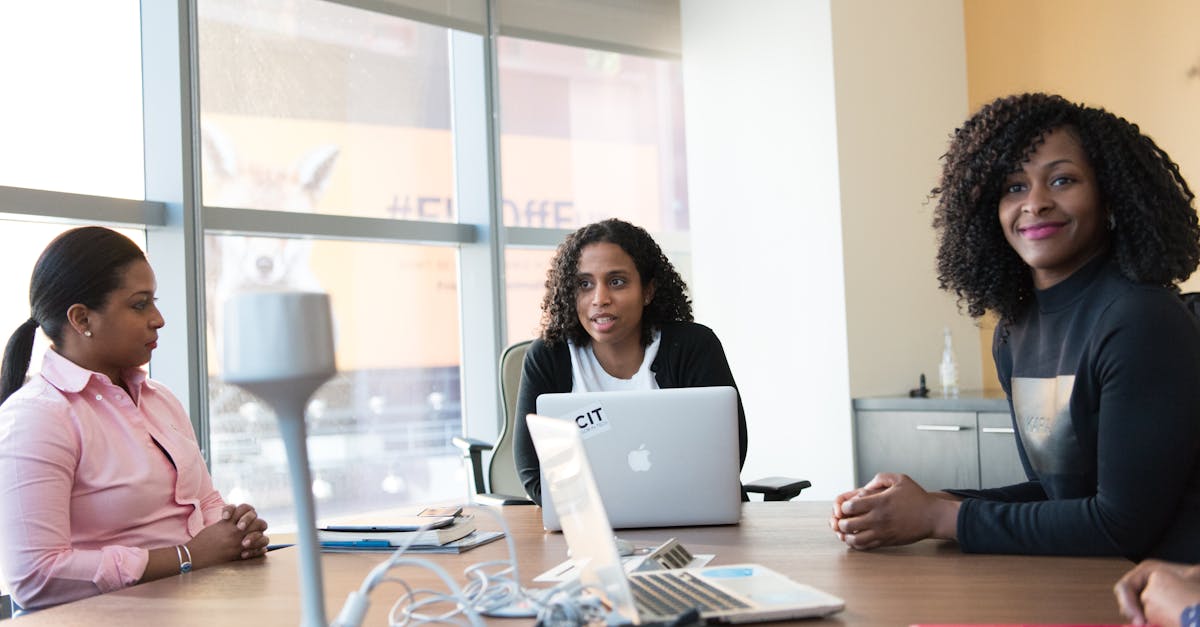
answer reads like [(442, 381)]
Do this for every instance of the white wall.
[(813, 137), (766, 226)]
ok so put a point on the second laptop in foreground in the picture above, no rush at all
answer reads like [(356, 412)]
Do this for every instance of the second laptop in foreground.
[(726, 593)]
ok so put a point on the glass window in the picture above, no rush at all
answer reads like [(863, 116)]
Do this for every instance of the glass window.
[(588, 135), (71, 117), (525, 273), (22, 243), (380, 430), (312, 106)]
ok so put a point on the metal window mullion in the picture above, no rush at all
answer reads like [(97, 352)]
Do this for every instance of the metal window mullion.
[(22, 203), (475, 125), (170, 121), (532, 237), (326, 226)]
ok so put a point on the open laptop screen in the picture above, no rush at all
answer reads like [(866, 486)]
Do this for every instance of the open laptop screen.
[(659, 457), (567, 481)]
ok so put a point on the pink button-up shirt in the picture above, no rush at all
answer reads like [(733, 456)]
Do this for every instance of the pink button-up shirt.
[(85, 491)]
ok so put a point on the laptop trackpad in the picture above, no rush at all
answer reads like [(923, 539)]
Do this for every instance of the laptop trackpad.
[(763, 586)]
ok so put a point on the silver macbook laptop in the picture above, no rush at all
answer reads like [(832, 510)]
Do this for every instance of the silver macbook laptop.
[(661, 457), (733, 593)]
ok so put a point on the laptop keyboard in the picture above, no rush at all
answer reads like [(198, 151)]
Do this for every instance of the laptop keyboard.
[(668, 594)]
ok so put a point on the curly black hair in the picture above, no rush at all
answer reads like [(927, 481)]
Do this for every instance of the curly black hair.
[(1156, 238), (669, 304)]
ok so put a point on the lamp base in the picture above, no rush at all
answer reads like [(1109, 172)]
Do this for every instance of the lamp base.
[(291, 428)]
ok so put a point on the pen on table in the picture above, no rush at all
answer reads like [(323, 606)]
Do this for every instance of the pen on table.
[(272, 547), (566, 568)]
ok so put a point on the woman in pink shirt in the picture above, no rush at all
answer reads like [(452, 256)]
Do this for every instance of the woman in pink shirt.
[(101, 479)]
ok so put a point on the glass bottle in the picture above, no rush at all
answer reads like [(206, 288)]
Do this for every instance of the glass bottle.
[(948, 370)]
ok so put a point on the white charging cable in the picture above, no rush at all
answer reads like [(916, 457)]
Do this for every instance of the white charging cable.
[(493, 587)]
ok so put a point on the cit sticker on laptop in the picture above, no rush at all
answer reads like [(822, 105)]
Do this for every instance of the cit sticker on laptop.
[(592, 420)]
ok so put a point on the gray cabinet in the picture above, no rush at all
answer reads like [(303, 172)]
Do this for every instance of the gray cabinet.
[(935, 448), (999, 461), (964, 442)]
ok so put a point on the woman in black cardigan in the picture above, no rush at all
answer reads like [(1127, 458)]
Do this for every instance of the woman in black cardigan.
[(615, 316)]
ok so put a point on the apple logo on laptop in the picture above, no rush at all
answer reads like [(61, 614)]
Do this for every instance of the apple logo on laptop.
[(639, 460)]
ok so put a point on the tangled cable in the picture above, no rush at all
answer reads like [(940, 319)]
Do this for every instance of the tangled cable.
[(566, 605), (491, 586)]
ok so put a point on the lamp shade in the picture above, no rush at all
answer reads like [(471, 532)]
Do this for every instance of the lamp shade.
[(278, 345)]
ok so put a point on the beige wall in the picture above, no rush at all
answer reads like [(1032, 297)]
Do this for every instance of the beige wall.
[(1140, 60), (814, 130), (900, 75)]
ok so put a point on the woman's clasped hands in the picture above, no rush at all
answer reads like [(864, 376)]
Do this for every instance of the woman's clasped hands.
[(890, 510), (237, 535), (1156, 592)]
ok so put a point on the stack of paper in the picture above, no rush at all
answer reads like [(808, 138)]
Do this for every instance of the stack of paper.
[(453, 535)]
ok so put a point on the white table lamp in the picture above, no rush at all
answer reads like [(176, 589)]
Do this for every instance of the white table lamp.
[(279, 346)]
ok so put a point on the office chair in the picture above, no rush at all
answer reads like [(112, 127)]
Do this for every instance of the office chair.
[(777, 488), (1191, 300), (504, 482), (503, 486)]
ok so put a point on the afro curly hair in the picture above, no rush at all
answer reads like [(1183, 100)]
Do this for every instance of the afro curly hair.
[(1155, 237), (669, 304)]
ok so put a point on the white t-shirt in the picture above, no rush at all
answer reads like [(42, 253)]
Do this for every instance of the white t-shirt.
[(587, 375)]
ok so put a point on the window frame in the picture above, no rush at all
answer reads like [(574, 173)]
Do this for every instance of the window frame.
[(176, 221)]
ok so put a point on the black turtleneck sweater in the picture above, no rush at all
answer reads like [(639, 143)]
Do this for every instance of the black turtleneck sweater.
[(1103, 379)]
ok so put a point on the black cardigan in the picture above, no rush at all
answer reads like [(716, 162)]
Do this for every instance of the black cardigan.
[(689, 355)]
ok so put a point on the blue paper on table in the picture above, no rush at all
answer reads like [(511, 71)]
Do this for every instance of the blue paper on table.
[(466, 543)]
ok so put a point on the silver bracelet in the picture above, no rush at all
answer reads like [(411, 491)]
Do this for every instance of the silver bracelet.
[(185, 566)]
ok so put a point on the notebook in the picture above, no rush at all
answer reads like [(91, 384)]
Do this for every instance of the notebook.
[(661, 457), (727, 593)]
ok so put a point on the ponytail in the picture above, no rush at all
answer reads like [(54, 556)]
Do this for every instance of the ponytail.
[(82, 266), (16, 359)]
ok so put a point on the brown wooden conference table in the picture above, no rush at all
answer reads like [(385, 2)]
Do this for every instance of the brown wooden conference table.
[(928, 582)]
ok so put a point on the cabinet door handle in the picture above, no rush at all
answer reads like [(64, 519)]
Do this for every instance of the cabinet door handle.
[(941, 428), (1008, 430)]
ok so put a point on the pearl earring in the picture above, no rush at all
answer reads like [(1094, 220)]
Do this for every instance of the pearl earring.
[(87, 333)]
